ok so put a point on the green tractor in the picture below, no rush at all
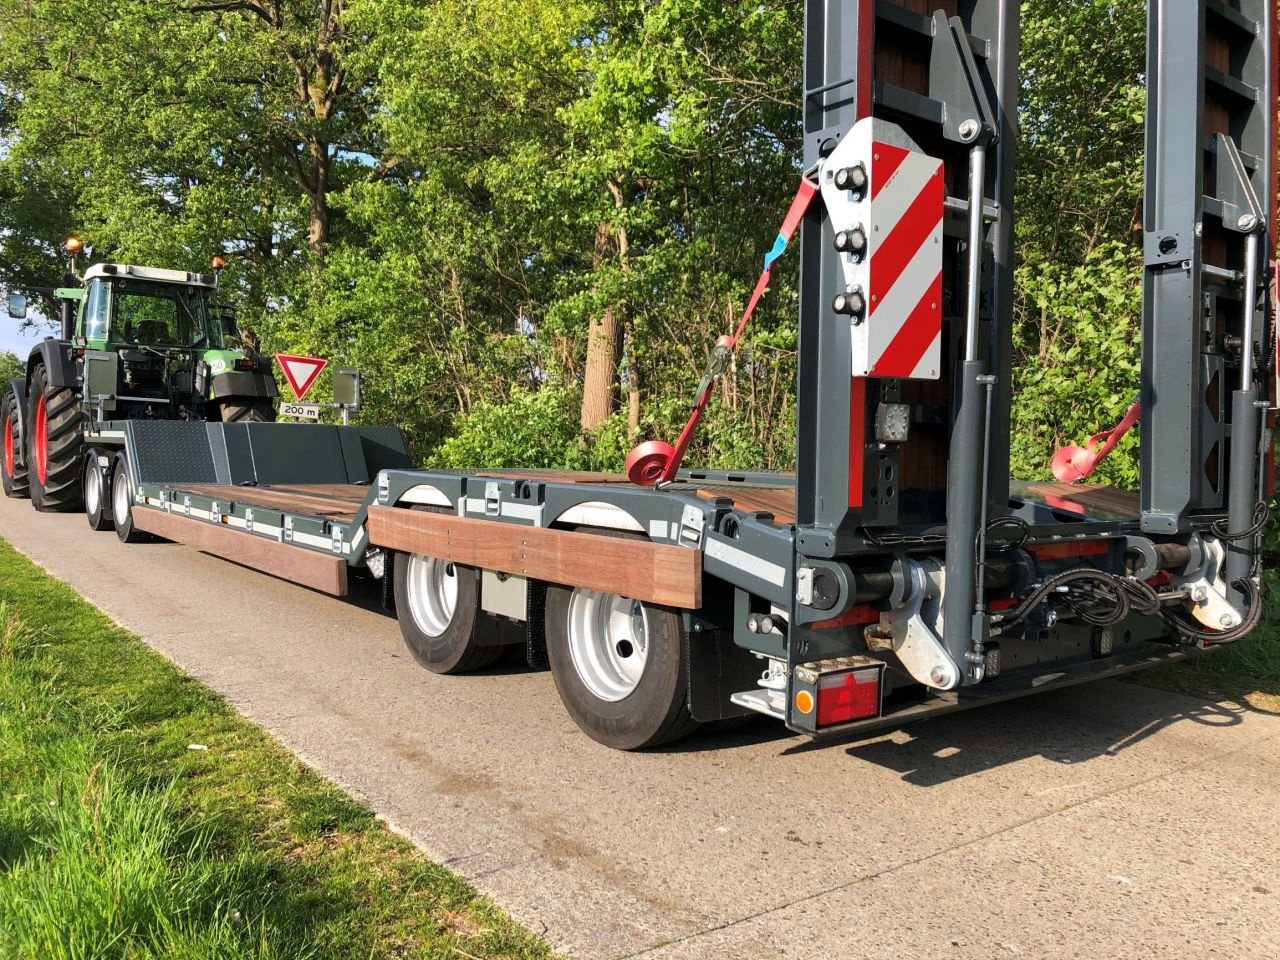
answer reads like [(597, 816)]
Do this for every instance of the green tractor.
[(175, 353)]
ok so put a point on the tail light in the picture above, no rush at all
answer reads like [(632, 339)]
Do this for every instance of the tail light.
[(828, 693), (245, 363)]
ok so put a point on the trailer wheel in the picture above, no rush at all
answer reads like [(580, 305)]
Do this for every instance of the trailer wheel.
[(247, 411), (437, 603), (13, 475), (620, 667), (122, 502), (97, 494), (54, 441)]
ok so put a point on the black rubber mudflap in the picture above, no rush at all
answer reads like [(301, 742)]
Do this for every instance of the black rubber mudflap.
[(535, 637)]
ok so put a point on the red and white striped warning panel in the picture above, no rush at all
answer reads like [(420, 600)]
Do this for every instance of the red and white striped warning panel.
[(885, 201)]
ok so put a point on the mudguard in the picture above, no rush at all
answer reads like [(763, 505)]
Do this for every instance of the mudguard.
[(237, 383), (59, 359)]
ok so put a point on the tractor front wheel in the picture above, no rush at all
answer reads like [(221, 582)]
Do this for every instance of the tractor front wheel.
[(13, 475), (247, 411), (55, 437)]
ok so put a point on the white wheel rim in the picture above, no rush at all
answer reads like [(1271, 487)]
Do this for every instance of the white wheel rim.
[(433, 594), (120, 498), (608, 642), (92, 491)]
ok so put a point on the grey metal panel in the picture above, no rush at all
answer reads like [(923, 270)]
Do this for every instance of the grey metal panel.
[(218, 451), (169, 451), (384, 448), (296, 453), (349, 441)]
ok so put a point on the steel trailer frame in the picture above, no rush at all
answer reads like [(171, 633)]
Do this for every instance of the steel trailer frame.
[(909, 550)]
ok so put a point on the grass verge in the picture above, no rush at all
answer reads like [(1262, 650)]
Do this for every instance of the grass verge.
[(1247, 672), (141, 817)]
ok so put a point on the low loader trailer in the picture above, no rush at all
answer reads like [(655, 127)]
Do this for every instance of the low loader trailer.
[(898, 573)]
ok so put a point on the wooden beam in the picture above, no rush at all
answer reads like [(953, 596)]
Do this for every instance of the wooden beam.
[(655, 573), (297, 564)]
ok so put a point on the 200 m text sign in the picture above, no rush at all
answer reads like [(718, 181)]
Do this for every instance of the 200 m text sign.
[(301, 411)]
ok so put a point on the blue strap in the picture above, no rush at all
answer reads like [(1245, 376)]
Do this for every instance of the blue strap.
[(779, 247)]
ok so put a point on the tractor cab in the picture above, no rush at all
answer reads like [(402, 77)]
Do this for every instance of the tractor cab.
[(157, 345)]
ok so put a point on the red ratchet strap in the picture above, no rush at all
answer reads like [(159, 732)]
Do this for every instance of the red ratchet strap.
[(655, 462)]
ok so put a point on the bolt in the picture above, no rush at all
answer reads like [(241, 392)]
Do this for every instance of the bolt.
[(937, 676), (969, 129), (1199, 594), (1227, 620), (1247, 221)]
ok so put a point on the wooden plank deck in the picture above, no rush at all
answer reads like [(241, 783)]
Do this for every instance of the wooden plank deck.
[(332, 505)]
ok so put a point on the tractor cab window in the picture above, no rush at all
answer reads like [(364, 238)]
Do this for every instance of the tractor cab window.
[(95, 311), (163, 315)]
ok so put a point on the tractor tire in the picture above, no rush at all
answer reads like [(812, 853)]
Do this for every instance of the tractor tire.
[(619, 666), (97, 493), (55, 445), (13, 475), (122, 503), (247, 411)]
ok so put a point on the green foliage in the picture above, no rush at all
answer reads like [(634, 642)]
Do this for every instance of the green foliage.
[(492, 177), (11, 367)]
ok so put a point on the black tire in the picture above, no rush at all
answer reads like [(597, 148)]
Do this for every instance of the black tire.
[(97, 493), (55, 444), (13, 475), (122, 502), (656, 711), (442, 641), (247, 411)]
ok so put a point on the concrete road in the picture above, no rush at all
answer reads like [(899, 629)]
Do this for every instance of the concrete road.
[(1104, 821)]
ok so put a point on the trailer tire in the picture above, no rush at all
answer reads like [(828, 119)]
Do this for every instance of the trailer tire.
[(247, 411), (97, 494), (55, 428), (122, 502), (13, 475), (619, 666), (437, 604)]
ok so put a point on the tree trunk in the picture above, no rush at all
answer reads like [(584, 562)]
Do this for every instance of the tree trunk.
[(604, 335), (603, 340)]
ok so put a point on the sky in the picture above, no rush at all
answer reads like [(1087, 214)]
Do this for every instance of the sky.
[(18, 341), (15, 342)]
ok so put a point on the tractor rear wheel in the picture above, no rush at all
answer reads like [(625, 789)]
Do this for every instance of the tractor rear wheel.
[(55, 438), (13, 475), (247, 411)]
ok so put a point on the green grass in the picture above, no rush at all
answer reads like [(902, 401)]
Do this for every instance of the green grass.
[(118, 840), (1247, 672)]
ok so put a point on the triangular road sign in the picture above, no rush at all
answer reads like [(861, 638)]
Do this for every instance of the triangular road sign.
[(301, 372)]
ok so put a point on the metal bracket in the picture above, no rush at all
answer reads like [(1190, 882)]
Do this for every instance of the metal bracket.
[(1241, 211), (1166, 248), (968, 116), (692, 524), (1206, 590), (913, 629)]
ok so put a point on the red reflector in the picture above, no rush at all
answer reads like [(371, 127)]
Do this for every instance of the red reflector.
[(852, 695), (244, 364)]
